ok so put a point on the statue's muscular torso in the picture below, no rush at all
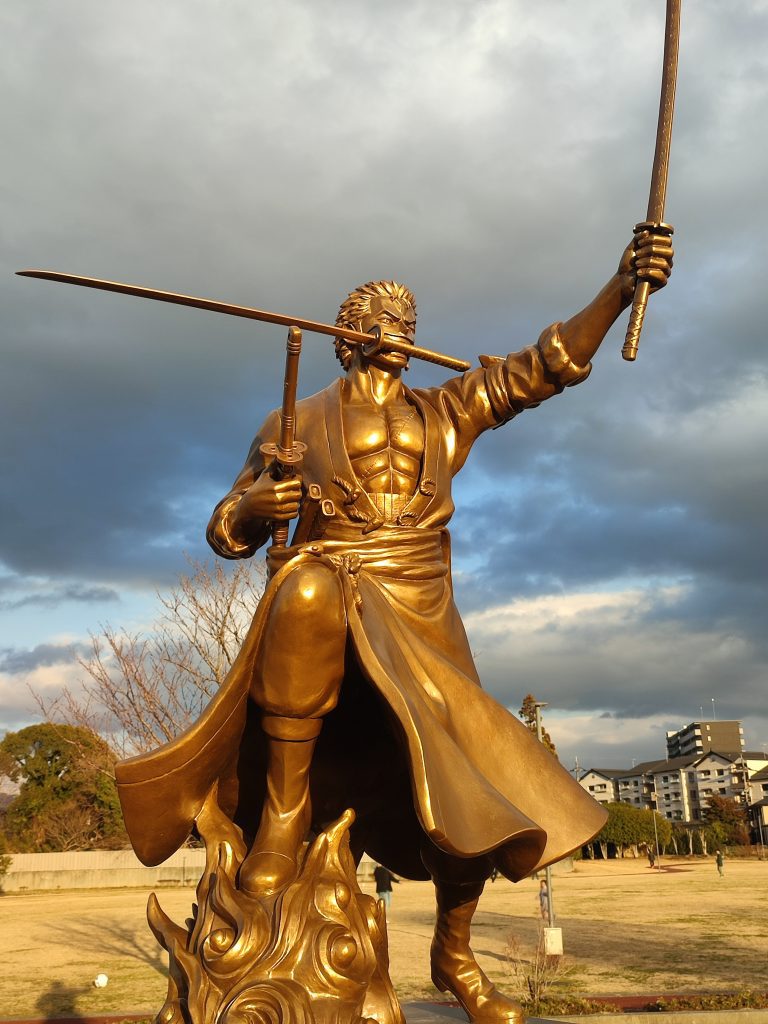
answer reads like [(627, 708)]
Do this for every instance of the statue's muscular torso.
[(385, 444)]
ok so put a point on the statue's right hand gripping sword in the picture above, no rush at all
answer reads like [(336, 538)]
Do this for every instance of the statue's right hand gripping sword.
[(288, 453), (655, 219)]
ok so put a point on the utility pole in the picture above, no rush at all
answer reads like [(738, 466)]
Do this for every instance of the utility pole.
[(656, 835), (538, 705)]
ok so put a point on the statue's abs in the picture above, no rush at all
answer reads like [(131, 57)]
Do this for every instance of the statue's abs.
[(385, 445)]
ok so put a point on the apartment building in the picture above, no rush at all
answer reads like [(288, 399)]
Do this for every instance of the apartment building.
[(699, 737), (758, 805), (600, 783), (635, 785), (679, 788), (758, 786)]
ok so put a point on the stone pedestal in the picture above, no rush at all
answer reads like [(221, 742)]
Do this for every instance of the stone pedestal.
[(432, 1013)]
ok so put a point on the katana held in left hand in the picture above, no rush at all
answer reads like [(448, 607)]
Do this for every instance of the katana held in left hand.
[(287, 454)]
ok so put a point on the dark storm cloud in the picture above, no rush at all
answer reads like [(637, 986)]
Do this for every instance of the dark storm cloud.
[(19, 662), (51, 597), (494, 157)]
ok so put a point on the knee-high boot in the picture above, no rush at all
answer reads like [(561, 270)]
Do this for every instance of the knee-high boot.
[(273, 860), (454, 968)]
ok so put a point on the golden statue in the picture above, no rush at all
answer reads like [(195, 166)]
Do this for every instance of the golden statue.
[(353, 715), (355, 687)]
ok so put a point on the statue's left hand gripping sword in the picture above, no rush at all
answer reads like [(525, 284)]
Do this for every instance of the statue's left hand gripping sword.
[(654, 221), (288, 453)]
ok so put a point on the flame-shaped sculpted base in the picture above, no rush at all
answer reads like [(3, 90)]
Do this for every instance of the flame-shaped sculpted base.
[(313, 953)]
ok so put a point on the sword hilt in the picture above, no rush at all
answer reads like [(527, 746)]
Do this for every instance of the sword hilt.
[(288, 452), (642, 291)]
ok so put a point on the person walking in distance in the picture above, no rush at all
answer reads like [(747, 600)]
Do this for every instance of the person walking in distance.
[(544, 900), (384, 878), (720, 862)]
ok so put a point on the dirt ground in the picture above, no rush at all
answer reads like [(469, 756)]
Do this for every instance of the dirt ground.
[(626, 929)]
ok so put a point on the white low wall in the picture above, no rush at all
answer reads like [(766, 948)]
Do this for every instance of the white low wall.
[(99, 869), (120, 869), (109, 869)]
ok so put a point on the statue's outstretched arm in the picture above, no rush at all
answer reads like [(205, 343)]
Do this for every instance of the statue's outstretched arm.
[(648, 257)]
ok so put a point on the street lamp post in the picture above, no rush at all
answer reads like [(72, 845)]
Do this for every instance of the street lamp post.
[(656, 837), (538, 705)]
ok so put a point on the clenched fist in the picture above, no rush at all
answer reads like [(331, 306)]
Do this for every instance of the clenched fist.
[(276, 500), (648, 257)]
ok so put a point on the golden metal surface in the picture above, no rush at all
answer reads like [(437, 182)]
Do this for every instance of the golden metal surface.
[(654, 221), (314, 952), (288, 453), (355, 686), (214, 306)]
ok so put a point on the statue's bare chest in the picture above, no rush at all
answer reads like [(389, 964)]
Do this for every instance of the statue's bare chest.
[(385, 445)]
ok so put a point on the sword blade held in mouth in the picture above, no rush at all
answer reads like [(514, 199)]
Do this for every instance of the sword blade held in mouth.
[(214, 306)]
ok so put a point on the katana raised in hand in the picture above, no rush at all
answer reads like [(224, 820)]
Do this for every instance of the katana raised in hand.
[(373, 342), (654, 221)]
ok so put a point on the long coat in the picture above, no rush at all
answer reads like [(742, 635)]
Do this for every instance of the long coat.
[(415, 746)]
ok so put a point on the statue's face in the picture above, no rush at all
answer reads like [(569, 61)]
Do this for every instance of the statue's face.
[(396, 319)]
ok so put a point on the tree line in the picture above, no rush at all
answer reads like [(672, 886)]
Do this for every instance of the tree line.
[(630, 829)]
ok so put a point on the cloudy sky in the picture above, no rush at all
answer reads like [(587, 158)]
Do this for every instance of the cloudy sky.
[(610, 546)]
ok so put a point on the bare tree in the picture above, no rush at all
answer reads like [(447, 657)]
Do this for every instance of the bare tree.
[(143, 689), (69, 826), (536, 973)]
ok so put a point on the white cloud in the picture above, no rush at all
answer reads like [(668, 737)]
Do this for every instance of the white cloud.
[(627, 654)]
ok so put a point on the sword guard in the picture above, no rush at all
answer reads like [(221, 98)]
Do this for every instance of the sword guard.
[(655, 227), (372, 348), (290, 458)]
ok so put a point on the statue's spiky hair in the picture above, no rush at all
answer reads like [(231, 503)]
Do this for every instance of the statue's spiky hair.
[(358, 304)]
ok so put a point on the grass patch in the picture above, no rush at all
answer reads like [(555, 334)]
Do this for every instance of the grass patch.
[(626, 931)]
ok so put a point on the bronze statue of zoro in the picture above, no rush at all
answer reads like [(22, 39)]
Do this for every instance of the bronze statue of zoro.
[(353, 716)]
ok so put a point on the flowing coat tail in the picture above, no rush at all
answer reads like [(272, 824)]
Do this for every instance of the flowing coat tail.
[(478, 781)]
